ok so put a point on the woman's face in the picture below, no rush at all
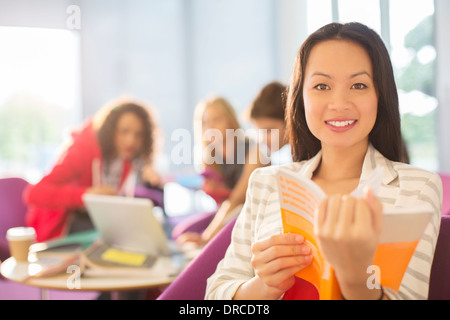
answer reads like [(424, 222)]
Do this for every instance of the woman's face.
[(128, 136), (275, 128), (215, 118), (340, 97)]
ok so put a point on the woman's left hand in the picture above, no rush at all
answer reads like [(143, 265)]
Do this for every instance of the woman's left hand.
[(193, 238), (348, 231)]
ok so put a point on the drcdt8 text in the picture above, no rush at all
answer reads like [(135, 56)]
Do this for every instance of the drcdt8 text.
[(246, 309)]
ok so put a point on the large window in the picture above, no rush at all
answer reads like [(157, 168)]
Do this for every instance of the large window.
[(407, 27), (413, 56), (39, 97), (177, 65)]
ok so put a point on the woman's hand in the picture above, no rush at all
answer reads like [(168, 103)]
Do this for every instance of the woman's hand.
[(348, 231), (277, 259), (150, 175), (194, 238)]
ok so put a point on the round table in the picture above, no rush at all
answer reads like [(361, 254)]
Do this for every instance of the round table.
[(162, 273)]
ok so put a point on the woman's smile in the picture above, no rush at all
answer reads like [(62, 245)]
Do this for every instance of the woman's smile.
[(338, 125)]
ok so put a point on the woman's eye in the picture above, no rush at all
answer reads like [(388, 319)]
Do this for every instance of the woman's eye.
[(359, 86), (322, 87)]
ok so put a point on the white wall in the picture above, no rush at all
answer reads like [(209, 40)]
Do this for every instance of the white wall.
[(30, 13), (174, 53), (292, 32)]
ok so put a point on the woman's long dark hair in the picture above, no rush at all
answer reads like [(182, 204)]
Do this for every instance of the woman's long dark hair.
[(386, 133)]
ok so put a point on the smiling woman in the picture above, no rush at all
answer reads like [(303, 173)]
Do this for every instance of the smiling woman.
[(343, 122), (349, 82), (342, 108), (411, 41)]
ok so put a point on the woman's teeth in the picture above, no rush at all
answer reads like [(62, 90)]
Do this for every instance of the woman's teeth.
[(341, 124)]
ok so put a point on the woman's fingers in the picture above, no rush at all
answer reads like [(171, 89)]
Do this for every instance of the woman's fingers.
[(337, 214), (346, 216), (273, 275), (332, 214), (348, 230), (376, 209), (285, 239), (320, 216), (278, 246), (283, 263), (363, 217), (279, 257)]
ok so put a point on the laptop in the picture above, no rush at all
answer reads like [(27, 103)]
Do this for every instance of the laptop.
[(128, 224)]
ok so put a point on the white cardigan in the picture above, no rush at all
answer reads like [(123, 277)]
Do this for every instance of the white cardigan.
[(403, 185)]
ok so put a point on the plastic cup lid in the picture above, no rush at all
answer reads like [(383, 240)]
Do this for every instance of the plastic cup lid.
[(20, 233)]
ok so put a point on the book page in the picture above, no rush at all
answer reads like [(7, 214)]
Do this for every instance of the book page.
[(299, 195), (299, 198), (405, 224)]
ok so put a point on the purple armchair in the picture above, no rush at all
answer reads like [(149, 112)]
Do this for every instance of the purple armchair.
[(191, 283), (446, 193), (12, 209), (152, 193), (440, 270)]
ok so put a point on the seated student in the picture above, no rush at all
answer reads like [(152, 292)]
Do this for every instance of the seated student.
[(106, 156), (227, 165), (343, 121), (267, 112)]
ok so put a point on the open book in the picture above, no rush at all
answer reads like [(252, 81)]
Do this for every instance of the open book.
[(402, 229)]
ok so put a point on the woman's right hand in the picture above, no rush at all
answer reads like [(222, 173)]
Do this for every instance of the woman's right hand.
[(277, 259), (102, 190), (191, 237)]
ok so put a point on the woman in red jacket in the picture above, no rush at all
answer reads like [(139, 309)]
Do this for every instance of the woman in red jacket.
[(104, 157)]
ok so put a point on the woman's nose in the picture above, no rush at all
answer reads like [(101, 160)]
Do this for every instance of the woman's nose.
[(340, 102)]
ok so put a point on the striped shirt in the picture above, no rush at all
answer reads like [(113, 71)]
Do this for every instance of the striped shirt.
[(402, 186)]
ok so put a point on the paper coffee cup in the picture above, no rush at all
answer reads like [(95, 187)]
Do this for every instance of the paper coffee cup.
[(20, 239)]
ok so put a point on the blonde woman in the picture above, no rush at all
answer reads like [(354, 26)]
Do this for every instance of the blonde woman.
[(227, 160)]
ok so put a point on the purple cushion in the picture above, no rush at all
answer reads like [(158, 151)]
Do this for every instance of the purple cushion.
[(194, 223), (440, 270), (191, 283), (12, 209), (154, 194), (446, 193)]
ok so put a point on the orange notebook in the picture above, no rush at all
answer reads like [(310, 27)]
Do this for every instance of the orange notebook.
[(299, 198)]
